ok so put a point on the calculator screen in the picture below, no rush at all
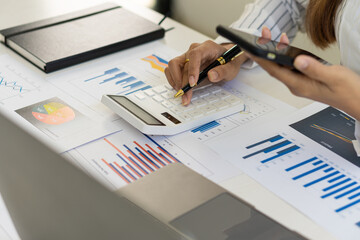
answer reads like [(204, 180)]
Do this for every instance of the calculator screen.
[(136, 110)]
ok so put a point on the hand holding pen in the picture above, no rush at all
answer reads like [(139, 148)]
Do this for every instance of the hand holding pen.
[(182, 72)]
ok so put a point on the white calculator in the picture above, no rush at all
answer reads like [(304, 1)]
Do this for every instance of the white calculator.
[(155, 111)]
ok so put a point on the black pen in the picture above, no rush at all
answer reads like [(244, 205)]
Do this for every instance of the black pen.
[(226, 57)]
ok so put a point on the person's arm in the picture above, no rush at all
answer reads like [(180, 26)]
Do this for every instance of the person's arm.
[(279, 16), (356, 142), (283, 16)]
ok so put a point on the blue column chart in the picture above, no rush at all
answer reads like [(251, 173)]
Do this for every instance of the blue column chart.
[(114, 81), (289, 169), (127, 76), (213, 129)]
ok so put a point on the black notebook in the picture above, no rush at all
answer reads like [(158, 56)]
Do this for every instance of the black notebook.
[(63, 41)]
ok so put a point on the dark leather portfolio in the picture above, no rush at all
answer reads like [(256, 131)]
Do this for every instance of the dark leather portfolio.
[(63, 41)]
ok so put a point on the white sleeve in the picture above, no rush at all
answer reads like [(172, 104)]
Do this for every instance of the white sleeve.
[(278, 15), (356, 142)]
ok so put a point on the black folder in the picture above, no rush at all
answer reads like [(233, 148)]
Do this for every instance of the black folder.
[(63, 41)]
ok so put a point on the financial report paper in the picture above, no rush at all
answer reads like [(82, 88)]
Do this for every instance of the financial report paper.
[(309, 161), (63, 109)]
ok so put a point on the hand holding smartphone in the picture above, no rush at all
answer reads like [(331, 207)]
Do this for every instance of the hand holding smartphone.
[(280, 53)]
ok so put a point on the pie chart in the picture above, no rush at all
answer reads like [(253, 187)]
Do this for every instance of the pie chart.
[(53, 113)]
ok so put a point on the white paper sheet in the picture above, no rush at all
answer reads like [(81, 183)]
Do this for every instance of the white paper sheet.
[(311, 164), (112, 151)]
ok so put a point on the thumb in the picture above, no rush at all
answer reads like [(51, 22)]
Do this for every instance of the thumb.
[(224, 72), (313, 68)]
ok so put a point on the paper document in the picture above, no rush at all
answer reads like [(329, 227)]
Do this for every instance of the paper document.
[(309, 161), (47, 112), (64, 110)]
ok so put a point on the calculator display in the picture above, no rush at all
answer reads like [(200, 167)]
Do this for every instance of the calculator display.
[(136, 110)]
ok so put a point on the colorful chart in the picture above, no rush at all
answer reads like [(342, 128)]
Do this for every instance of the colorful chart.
[(156, 62), (53, 113)]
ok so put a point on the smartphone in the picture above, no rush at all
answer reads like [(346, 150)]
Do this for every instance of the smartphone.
[(280, 53)]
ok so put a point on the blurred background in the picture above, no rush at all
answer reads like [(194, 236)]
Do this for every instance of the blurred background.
[(201, 15), (205, 15)]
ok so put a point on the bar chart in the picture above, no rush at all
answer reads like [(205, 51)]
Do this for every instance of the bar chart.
[(288, 163), (116, 80), (212, 129), (125, 77), (128, 155)]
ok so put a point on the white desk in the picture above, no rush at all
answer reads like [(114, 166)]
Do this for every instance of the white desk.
[(22, 11)]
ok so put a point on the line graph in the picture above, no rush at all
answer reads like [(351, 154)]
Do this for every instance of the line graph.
[(332, 132), (13, 83), (332, 129)]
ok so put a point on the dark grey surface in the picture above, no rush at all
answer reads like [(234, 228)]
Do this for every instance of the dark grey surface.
[(228, 218), (49, 198)]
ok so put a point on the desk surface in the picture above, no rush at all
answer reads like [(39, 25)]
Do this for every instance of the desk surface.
[(22, 11)]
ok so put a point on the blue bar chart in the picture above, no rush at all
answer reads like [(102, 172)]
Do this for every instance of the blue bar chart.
[(206, 127), (212, 129), (125, 77), (116, 81), (327, 181)]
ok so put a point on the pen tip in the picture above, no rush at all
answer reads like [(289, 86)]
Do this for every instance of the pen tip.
[(179, 93)]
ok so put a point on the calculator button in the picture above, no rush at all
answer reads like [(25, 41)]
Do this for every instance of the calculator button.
[(168, 95), (140, 96), (199, 102), (194, 97), (195, 113), (208, 109), (223, 94), (149, 92), (233, 100), (215, 89), (167, 104), (160, 89), (168, 87), (202, 93), (185, 116), (221, 105), (176, 101), (188, 107), (158, 98), (177, 110), (205, 86), (212, 98)]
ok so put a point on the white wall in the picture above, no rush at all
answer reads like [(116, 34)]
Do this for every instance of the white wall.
[(205, 15)]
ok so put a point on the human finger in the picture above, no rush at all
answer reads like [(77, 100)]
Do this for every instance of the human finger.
[(284, 42), (266, 33), (299, 84), (174, 71), (228, 71), (169, 77), (200, 55), (314, 69), (186, 98)]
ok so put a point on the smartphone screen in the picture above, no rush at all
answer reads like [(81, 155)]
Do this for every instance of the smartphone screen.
[(280, 53)]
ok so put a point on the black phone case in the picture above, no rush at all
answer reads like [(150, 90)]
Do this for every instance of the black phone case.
[(232, 35)]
